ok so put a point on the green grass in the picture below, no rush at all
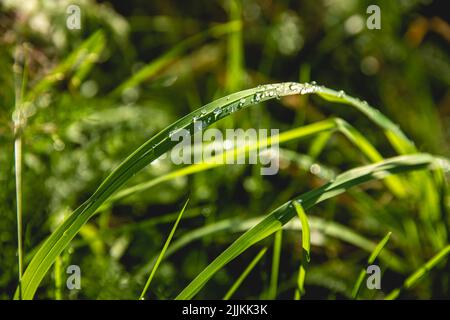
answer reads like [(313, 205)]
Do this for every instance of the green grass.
[(306, 249), (209, 114), (275, 220), (419, 273)]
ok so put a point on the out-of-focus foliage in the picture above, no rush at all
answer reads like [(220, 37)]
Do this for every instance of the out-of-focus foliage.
[(81, 122)]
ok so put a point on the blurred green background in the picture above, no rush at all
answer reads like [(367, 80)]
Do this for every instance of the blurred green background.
[(148, 63)]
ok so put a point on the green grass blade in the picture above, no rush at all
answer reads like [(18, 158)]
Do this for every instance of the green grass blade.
[(20, 71), (398, 139), (420, 273), (145, 154), (274, 221), (244, 274), (163, 251), (235, 71), (325, 126), (327, 228), (306, 248), (370, 260), (277, 242)]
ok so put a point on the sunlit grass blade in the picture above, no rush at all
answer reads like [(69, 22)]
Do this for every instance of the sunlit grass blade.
[(244, 274), (306, 248), (20, 70), (274, 221), (420, 273), (163, 251), (321, 127), (370, 260), (235, 72), (398, 139)]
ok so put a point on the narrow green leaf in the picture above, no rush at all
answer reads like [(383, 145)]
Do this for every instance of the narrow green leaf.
[(370, 260), (151, 150), (244, 274), (163, 251), (277, 242), (306, 248), (420, 273)]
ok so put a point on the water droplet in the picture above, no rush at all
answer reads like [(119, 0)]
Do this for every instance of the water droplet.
[(217, 112), (241, 102), (341, 94), (172, 133)]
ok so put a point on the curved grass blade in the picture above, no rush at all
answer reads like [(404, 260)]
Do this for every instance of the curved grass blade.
[(306, 248), (163, 251), (275, 220), (398, 139), (371, 260), (244, 274), (145, 154), (420, 273)]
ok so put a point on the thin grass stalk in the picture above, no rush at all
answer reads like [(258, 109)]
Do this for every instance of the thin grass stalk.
[(370, 260), (19, 71), (306, 249), (244, 274), (163, 251), (277, 242)]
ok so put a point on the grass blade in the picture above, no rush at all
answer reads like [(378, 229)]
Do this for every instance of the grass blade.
[(163, 251), (274, 221), (325, 126), (420, 273), (20, 80), (306, 246), (371, 259), (272, 292), (244, 274)]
